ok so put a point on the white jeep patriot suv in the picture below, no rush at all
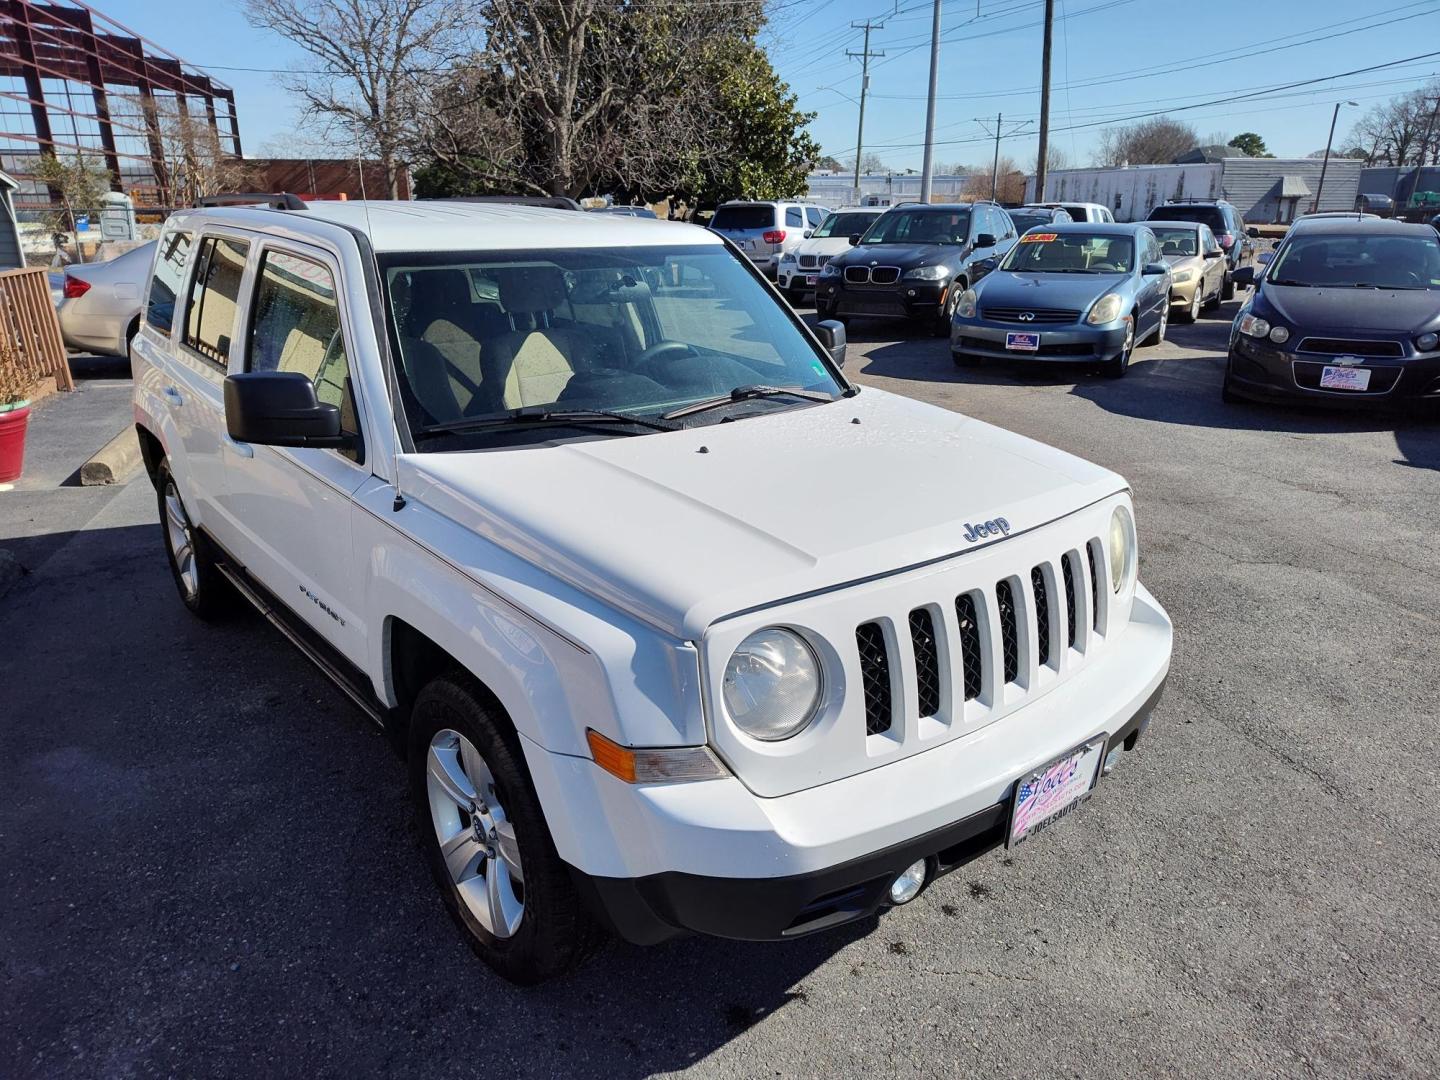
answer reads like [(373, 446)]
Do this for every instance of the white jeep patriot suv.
[(680, 630)]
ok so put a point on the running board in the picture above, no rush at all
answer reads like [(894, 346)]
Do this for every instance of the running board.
[(320, 653)]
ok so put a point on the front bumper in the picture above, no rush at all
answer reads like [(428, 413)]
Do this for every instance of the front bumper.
[(1183, 295), (1066, 343), (902, 300), (712, 857), (1261, 371), (791, 276)]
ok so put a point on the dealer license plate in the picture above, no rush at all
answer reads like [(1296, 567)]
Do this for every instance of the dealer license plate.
[(1023, 342), (1345, 378), (1052, 791), (809, 279)]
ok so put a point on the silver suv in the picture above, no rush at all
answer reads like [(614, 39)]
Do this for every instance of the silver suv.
[(766, 230)]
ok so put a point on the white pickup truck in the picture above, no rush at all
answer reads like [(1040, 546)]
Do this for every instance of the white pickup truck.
[(681, 630)]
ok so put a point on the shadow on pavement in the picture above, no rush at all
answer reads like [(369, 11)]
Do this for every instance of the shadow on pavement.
[(212, 868)]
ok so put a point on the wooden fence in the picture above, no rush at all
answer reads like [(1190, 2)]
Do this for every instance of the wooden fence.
[(31, 327)]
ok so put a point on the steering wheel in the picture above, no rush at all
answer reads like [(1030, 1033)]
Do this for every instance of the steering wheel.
[(664, 348)]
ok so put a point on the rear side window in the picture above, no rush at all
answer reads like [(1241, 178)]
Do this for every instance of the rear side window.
[(170, 259), (744, 217), (793, 218), (214, 297), (296, 327)]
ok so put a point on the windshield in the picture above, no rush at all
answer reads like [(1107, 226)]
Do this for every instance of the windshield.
[(1071, 253), (1026, 222), (640, 330), (1358, 262), (1177, 241), (844, 225), (920, 227), (744, 217)]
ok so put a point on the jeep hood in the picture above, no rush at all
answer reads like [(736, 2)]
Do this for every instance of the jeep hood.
[(683, 528)]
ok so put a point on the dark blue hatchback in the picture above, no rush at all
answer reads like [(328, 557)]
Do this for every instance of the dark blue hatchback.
[(1346, 313)]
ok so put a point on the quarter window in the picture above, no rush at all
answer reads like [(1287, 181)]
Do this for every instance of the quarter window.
[(214, 297), (816, 216), (793, 217), (165, 284), (296, 327)]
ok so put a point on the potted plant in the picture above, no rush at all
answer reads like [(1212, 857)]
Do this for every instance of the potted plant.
[(14, 419)]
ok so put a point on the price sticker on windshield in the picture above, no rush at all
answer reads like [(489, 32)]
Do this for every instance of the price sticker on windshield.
[(1038, 237)]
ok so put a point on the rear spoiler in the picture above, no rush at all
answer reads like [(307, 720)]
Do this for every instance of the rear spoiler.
[(277, 200)]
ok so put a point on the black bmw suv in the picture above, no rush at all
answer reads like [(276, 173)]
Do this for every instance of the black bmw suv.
[(914, 262)]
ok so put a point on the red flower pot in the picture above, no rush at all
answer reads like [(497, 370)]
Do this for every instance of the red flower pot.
[(12, 442)]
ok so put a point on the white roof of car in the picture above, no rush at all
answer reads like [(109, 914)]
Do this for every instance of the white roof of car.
[(462, 226)]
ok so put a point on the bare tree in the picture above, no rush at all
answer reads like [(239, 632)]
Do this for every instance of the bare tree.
[(1401, 131), (195, 164), (76, 184), (1155, 141), (1009, 189), (375, 56)]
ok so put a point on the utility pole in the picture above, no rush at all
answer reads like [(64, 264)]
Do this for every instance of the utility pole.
[(1042, 164), (864, 57), (1429, 127), (995, 169), (927, 169)]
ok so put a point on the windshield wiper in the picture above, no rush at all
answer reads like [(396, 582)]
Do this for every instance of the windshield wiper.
[(744, 393), (1290, 282), (539, 414)]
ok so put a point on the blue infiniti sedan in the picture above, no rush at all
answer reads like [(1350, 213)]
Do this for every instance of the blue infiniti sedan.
[(1075, 292)]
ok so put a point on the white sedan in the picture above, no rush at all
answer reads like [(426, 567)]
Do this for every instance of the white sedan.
[(100, 308)]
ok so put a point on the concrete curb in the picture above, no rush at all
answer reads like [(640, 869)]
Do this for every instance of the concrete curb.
[(113, 462)]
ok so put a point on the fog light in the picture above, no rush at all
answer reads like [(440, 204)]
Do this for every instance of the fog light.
[(907, 886)]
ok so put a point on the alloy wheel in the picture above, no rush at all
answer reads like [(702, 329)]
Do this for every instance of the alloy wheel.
[(476, 837), (180, 537), (1197, 302)]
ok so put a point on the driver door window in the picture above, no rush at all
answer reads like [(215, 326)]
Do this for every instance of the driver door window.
[(296, 327)]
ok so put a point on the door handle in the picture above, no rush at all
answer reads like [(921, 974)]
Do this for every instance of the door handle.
[(240, 449), (173, 396)]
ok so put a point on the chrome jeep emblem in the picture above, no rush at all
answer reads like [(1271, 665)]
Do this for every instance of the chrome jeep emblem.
[(982, 529)]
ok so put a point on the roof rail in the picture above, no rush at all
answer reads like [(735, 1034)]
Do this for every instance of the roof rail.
[(278, 200), (550, 202)]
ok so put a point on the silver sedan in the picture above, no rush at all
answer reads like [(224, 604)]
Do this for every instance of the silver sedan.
[(100, 311)]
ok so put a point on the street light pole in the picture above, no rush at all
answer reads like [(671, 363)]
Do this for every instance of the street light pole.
[(1325, 165), (995, 169), (1042, 164)]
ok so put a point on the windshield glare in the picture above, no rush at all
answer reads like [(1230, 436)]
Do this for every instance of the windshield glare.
[(1384, 262), (1079, 253), (920, 227), (639, 330), (844, 225), (1176, 241)]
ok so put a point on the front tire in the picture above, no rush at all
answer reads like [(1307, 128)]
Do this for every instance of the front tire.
[(1227, 291), (486, 840), (947, 313), (1158, 337), (1192, 313), (1116, 368), (202, 587)]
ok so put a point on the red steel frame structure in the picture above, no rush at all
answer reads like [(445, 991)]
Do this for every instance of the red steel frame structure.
[(73, 81)]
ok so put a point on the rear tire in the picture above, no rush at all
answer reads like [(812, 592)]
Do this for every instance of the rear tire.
[(500, 849), (202, 587)]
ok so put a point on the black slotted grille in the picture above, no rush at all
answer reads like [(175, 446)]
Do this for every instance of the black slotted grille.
[(927, 661), (1069, 572), (1042, 613), (969, 644), (1009, 638), (874, 677), (1094, 588)]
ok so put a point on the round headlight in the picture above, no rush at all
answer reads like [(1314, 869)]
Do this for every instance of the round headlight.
[(1279, 335), (1122, 548), (1427, 342), (772, 684)]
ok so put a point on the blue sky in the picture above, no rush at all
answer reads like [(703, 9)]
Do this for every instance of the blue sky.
[(1113, 59)]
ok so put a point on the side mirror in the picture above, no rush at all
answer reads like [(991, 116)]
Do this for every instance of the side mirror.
[(831, 333), (985, 240), (1154, 269), (1265, 258), (1244, 277), (1253, 233), (809, 233), (854, 239), (278, 408), (1215, 253)]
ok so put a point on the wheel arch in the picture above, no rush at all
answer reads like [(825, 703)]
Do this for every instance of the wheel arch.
[(152, 451)]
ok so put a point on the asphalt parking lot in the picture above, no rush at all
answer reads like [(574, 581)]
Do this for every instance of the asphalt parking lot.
[(208, 865)]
